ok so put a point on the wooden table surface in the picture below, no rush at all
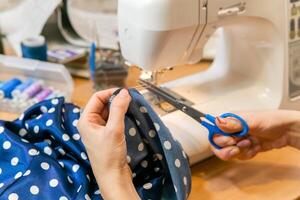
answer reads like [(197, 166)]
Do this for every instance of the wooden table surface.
[(274, 175)]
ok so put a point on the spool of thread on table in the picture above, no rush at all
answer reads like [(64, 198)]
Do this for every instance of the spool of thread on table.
[(7, 88), (32, 90), (20, 88), (42, 95), (35, 48)]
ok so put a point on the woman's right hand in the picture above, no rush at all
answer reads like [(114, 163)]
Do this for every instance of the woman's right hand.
[(267, 130)]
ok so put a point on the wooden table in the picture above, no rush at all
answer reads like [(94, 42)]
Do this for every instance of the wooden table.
[(274, 175)]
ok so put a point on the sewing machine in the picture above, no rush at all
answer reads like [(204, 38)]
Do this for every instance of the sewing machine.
[(257, 65)]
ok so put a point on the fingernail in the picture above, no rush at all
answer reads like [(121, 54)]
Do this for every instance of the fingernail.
[(234, 152), (123, 93), (221, 120)]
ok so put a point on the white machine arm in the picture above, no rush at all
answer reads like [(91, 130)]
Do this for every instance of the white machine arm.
[(163, 33)]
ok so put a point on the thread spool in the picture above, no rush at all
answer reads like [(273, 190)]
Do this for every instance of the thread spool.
[(20, 88), (7, 88), (35, 48), (42, 95), (32, 90)]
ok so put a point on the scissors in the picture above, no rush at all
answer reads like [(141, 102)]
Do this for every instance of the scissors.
[(206, 120)]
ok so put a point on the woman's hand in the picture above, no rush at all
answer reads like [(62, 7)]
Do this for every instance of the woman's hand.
[(102, 131), (267, 130)]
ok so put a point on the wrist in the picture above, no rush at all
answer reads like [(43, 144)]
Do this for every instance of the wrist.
[(117, 184)]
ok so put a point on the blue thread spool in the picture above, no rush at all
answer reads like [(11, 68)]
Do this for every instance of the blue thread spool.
[(35, 48), (20, 88), (8, 87)]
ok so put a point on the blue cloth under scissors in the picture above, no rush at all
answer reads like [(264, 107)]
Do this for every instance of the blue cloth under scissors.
[(43, 158)]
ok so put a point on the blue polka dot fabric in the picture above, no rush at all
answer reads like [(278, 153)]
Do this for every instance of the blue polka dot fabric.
[(42, 156)]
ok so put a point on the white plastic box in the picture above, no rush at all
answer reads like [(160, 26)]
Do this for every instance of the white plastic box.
[(53, 75)]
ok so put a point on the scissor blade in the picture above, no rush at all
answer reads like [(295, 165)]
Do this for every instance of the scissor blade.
[(178, 104)]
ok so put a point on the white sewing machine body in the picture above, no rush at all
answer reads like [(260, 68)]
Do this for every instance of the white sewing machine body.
[(257, 65)]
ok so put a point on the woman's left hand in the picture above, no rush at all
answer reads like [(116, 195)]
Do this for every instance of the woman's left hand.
[(102, 131)]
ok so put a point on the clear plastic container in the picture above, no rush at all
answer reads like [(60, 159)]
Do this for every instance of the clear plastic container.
[(54, 76)]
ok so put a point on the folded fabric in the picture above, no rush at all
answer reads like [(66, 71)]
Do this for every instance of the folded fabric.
[(43, 158)]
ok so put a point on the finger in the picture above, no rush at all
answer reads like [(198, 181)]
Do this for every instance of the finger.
[(224, 141), (229, 124), (118, 109), (227, 153), (244, 143), (98, 102)]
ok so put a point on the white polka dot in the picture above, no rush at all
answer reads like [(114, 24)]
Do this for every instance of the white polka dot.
[(157, 127), (128, 159), (18, 175), (97, 192), (53, 183), (76, 110), (6, 145), (156, 169), (79, 188), (63, 198), (34, 190), (184, 154), (75, 122), (21, 117), (44, 109), (177, 163), (152, 133), (75, 168), (49, 122), (184, 180), (23, 140), (62, 152), (87, 197), (36, 129), (65, 137), (48, 151), (14, 161), (69, 179), (0, 170), (26, 125), (22, 132), (159, 156), (141, 147), (54, 101), (61, 164), (45, 166), (132, 131), (1, 185), (33, 152), (147, 186), (133, 175), (13, 196), (138, 122), (51, 110), (27, 173), (1, 129), (76, 136), (39, 117), (144, 163), (167, 145), (83, 155), (143, 109)]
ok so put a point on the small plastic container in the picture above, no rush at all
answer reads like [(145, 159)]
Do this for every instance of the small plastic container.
[(54, 76)]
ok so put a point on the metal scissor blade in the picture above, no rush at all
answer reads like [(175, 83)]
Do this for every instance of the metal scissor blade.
[(178, 104)]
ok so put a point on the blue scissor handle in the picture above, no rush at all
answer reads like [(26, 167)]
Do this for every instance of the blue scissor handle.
[(213, 129)]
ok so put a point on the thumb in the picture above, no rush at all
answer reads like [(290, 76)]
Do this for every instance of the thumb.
[(229, 124), (118, 109)]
